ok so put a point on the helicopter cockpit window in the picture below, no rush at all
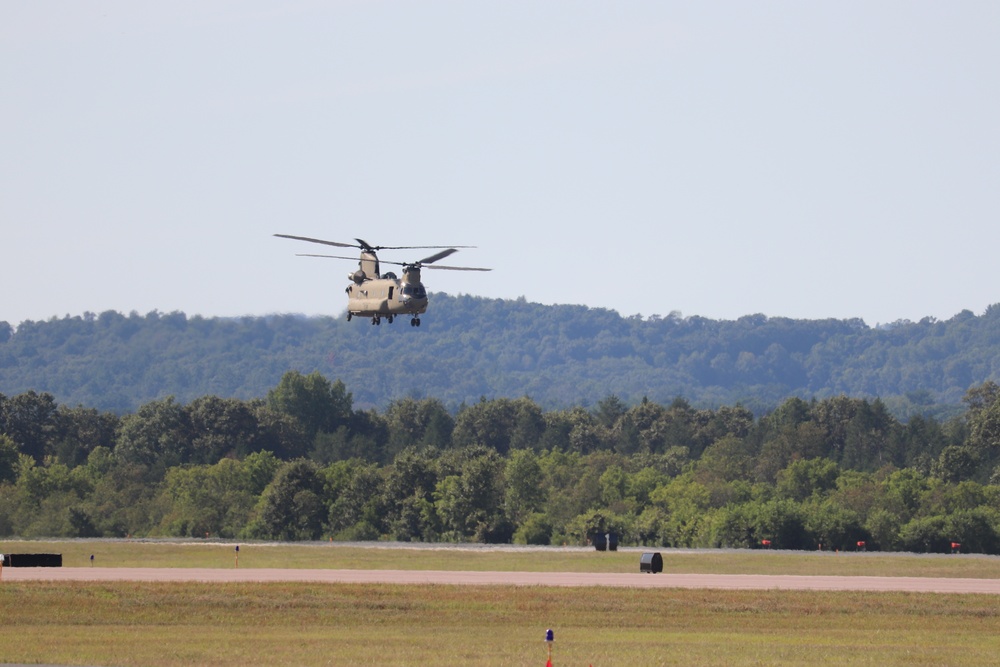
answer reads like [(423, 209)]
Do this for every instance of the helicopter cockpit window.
[(414, 291)]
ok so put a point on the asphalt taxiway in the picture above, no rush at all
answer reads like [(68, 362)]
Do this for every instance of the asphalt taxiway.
[(477, 578)]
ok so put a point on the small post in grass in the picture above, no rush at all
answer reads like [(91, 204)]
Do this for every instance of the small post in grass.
[(549, 638), (237, 556)]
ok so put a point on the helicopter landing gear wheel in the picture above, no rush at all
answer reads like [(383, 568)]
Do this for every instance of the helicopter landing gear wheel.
[(349, 317), (376, 320), (415, 322), (389, 319)]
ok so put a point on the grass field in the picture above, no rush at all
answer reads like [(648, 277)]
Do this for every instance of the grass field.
[(343, 624), (137, 553)]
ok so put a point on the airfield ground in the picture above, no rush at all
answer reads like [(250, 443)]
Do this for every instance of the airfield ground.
[(479, 578), (429, 606)]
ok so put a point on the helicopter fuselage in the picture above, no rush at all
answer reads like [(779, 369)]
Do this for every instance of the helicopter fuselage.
[(387, 296)]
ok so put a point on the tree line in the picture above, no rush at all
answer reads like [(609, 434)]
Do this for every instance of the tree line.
[(304, 463), (470, 347)]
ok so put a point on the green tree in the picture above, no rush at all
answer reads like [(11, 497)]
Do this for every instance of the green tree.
[(883, 526), (975, 529), (221, 427), (281, 434), (122, 502), (903, 492), (834, 527), (926, 534), (729, 458), (471, 503), (260, 469), (314, 401), (31, 421), (158, 435), (525, 492), (613, 484), (588, 526), (81, 431), (984, 419), (804, 479), (413, 423), (873, 438), (500, 424), (207, 500), (783, 523), (644, 428), (8, 459), (291, 506), (535, 529), (360, 508), (609, 410), (956, 463), (687, 504)]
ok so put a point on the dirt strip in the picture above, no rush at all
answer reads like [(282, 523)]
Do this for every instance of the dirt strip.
[(469, 578)]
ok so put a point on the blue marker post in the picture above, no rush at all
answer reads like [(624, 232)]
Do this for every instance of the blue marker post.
[(549, 638)]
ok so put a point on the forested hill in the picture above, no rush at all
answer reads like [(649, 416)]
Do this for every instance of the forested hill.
[(470, 347)]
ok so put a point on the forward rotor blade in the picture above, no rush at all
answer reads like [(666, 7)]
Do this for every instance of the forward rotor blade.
[(364, 245), (306, 238), (302, 254)]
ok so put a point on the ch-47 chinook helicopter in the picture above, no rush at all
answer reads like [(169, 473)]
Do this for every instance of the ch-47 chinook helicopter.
[(377, 295)]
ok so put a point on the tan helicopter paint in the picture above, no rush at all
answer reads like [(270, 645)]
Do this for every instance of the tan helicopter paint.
[(372, 294), (382, 297)]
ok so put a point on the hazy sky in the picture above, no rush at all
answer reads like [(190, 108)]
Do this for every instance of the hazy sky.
[(799, 159)]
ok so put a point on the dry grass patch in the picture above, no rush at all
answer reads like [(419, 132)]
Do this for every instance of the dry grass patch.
[(341, 624)]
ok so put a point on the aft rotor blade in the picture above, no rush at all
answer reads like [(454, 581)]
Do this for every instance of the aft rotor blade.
[(436, 257), (306, 238), (419, 247), (456, 268)]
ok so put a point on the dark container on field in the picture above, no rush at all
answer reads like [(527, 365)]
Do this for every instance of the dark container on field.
[(651, 562), (32, 560), (604, 541)]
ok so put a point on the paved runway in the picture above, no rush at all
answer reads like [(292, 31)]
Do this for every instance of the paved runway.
[(468, 578)]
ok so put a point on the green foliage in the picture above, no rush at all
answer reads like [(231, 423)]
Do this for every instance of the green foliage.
[(291, 507), (525, 493), (413, 423), (535, 529), (158, 435), (314, 401), (357, 510), (31, 421), (470, 501), (207, 500), (804, 478), (8, 459), (563, 356), (820, 474)]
